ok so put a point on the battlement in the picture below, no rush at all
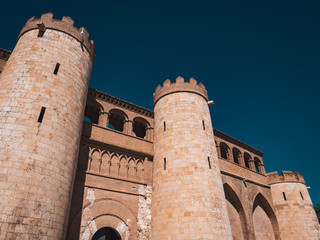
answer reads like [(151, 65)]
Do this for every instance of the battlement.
[(47, 21), (4, 54), (179, 86), (287, 177)]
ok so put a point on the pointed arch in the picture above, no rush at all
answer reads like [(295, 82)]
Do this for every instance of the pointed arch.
[(114, 164), (236, 214), (95, 160), (105, 158), (264, 219), (140, 170), (132, 168), (123, 167)]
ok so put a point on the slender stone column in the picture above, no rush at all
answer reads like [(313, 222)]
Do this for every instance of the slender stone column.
[(149, 134), (127, 127), (261, 168), (251, 165), (241, 160), (218, 150), (104, 119)]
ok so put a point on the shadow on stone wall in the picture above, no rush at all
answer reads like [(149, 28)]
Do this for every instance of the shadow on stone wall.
[(78, 188)]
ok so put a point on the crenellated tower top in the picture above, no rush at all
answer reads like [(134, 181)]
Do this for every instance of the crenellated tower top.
[(287, 177), (47, 21), (179, 86)]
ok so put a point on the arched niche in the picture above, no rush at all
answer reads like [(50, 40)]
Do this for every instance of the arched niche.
[(139, 127), (236, 214), (264, 220), (117, 118), (224, 151), (257, 161), (92, 112), (236, 155), (247, 157)]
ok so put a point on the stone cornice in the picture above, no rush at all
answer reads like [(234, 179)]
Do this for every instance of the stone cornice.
[(120, 103), (236, 142)]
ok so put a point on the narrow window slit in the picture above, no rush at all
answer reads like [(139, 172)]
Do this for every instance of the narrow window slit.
[(165, 164), (40, 33), (301, 195), (43, 109), (164, 126), (203, 125), (209, 163), (284, 196), (56, 69)]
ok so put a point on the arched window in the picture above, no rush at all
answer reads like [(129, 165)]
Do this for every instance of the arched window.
[(224, 150), (256, 163), (116, 119), (247, 157), (236, 155), (106, 233), (91, 114), (139, 127)]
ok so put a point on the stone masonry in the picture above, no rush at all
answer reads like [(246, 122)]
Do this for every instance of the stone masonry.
[(188, 198), (40, 127), (293, 207), (77, 163)]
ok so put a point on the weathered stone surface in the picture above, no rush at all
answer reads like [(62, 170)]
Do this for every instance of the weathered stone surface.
[(293, 207), (120, 166), (38, 159), (187, 200)]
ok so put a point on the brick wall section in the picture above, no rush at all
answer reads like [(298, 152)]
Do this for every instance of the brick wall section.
[(37, 160), (296, 216), (187, 200)]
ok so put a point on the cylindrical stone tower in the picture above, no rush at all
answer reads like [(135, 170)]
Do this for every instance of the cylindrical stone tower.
[(43, 90), (293, 207), (188, 200)]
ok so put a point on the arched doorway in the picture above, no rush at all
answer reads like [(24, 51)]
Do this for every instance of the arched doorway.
[(106, 233)]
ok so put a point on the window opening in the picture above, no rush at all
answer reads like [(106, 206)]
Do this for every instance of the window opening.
[(165, 164), (164, 126), (209, 163), (203, 125), (43, 109), (301, 195), (56, 69), (40, 33), (284, 196)]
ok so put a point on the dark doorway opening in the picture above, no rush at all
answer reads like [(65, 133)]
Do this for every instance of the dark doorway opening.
[(106, 233)]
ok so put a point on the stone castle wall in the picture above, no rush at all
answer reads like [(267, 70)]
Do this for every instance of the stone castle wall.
[(41, 112), (187, 200), (293, 207), (208, 187)]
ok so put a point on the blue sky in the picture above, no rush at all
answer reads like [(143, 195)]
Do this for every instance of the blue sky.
[(258, 60)]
